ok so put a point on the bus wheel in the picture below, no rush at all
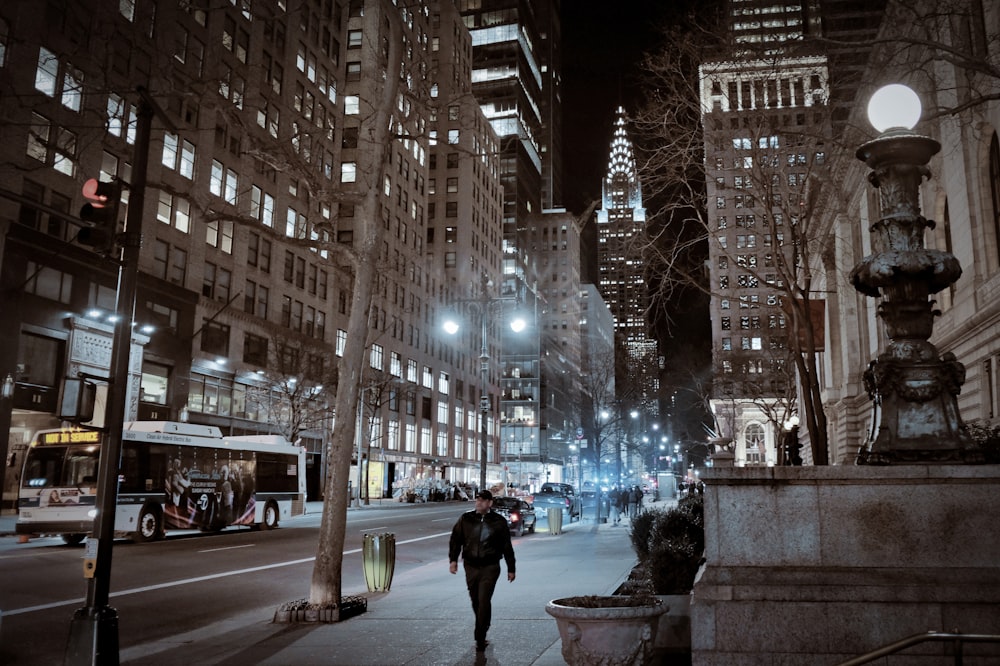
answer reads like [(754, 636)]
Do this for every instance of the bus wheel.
[(148, 527), (73, 539), (270, 516)]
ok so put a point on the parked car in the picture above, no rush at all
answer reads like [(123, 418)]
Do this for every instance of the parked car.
[(558, 495), (519, 514)]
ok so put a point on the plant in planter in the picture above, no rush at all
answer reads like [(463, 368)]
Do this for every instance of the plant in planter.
[(669, 546), (611, 630)]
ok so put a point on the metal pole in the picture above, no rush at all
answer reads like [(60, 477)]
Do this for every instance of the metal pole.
[(618, 462), (93, 635), (359, 436), (484, 400)]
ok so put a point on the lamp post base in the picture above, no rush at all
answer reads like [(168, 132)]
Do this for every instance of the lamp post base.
[(919, 421), (93, 637)]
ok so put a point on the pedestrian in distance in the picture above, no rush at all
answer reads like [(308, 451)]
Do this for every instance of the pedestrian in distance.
[(622, 503), (482, 538), (613, 499), (633, 501)]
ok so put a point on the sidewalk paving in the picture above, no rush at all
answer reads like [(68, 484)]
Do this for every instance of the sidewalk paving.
[(425, 617)]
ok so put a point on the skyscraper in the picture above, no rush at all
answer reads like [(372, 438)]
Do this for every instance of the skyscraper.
[(621, 227), (516, 79)]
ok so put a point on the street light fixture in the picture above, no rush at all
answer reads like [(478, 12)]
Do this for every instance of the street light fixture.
[(913, 386), (483, 306)]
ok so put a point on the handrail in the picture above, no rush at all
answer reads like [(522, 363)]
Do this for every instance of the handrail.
[(958, 638)]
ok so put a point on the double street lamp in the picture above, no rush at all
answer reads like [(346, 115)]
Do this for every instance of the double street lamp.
[(483, 306)]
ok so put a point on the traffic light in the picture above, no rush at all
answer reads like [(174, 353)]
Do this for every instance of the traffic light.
[(101, 212)]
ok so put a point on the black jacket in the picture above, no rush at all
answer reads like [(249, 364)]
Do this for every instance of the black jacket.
[(481, 539)]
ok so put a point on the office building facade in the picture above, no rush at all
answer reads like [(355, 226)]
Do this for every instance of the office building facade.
[(249, 221)]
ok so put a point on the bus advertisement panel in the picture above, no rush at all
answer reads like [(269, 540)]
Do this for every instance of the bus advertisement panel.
[(201, 495)]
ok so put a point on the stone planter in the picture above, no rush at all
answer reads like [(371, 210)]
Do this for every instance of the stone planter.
[(673, 633), (607, 631)]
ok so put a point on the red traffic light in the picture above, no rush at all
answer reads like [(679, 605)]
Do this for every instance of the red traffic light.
[(101, 195), (93, 190), (101, 211)]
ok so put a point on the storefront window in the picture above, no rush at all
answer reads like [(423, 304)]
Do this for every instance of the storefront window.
[(154, 383)]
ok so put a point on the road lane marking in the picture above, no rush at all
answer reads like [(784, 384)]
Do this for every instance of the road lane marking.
[(215, 550), (199, 579)]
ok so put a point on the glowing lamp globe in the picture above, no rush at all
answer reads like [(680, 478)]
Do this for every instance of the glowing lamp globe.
[(894, 106)]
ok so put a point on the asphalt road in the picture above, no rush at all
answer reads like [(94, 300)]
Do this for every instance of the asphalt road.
[(192, 580)]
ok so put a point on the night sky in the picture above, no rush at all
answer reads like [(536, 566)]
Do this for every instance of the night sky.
[(603, 45)]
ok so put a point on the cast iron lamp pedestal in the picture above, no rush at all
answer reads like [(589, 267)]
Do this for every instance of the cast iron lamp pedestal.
[(915, 387)]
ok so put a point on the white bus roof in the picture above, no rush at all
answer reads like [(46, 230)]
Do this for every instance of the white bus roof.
[(192, 429), (260, 439), (185, 430)]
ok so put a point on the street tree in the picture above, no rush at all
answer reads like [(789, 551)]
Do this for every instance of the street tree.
[(346, 226), (293, 388), (598, 412)]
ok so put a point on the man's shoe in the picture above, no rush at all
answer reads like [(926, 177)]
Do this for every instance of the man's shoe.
[(481, 645)]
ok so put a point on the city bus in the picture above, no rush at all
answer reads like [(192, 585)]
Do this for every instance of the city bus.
[(173, 476)]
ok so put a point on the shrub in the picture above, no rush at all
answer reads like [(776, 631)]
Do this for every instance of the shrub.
[(669, 545), (642, 526), (672, 567), (987, 436)]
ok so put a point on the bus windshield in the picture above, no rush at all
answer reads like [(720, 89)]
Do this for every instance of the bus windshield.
[(51, 466)]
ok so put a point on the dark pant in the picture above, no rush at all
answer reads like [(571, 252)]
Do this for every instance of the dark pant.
[(482, 580)]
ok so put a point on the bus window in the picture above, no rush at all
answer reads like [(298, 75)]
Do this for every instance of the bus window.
[(143, 468), (276, 473), (44, 467)]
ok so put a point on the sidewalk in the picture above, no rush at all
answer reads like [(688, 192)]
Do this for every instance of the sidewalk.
[(425, 618), (7, 521)]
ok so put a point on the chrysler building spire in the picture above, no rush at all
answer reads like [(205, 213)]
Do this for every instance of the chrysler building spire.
[(621, 188)]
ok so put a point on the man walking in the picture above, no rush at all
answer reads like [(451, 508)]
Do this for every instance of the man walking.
[(613, 498), (483, 539), (633, 501)]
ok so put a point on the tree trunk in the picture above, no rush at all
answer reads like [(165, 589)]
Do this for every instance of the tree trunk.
[(374, 143), (812, 409)]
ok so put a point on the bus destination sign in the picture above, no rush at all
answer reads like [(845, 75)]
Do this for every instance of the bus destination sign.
[(71, 437)]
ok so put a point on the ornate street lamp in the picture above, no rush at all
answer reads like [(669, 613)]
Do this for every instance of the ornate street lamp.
[(914, 386), (483, 306)]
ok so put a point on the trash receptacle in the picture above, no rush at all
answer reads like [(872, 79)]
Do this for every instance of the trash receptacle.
[(555, 521), (378, 555), (605, 509)]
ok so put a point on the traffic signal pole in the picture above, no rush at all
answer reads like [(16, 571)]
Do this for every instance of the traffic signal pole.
[(93, 636)]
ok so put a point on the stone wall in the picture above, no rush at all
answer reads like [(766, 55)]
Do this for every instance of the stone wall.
[(816, 565)]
